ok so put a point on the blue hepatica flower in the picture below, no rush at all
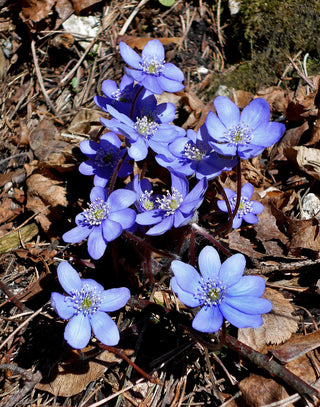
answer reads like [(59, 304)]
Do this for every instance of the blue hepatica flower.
[(104, 220), (86, 306), (121, 97), (221, 290), (176, 208), (103, 159), (245, 134), (150, 127), (247, 209), (150, 69), (193, 155)]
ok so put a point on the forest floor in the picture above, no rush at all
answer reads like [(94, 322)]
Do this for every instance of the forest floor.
[(49, 75)]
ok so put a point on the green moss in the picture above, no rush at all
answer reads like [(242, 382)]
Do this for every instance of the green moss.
[(265, 32)]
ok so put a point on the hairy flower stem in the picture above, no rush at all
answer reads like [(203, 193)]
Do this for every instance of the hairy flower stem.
[(116, 172), (238, 170), (230, 216), (211, 239)]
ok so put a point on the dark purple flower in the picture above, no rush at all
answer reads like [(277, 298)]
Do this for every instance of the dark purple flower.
[(245, 135), (86, 307), (104, 220), (193, 155), (221, 290), (103, 159), (176, 208), (150, 127), (150, 69), (121, 97), (247, 209)]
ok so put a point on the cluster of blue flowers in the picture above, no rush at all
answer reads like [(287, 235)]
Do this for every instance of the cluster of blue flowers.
[(221, 142)]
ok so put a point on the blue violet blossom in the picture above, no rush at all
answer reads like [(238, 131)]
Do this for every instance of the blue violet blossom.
[(193, 155), (104, 220), (150, 69), (244, 134), (247, 209), (86, 306), (176, 208), (221, 291), (150, 126), (103, 159)]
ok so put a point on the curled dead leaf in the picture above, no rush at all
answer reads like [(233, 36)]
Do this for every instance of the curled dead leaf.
[(307, 159), (278, 325)]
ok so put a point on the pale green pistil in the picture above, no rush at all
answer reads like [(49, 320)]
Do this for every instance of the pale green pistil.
[(146, 126), (239, 134), (170, 202), (86, 303), (96, 212), (211, 292), (214, 294)]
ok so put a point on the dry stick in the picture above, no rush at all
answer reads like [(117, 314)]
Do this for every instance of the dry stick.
[(132, 16), (40, 80), (12, 298), (302, 75), (204, 233), (31, 380)]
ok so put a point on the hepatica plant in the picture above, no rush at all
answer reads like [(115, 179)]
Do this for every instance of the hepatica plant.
[(141, 134)]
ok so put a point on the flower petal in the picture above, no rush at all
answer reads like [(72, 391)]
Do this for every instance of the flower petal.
[(78, 331), (247, 190), (240, 319), (248, 285), (186, 298), (138, 149), (257, 207), (105, 329), (161, 227), (89, 147), (96, 243), (129, 55), (268, 134), (111, 229), (209, 263), (173, 72), (76, 234), (62, 305), (98, 193), (121, 199), (256, 114), (215, 128), (227, 111), (180, 183), (114, 299), (68, 277), (232, 269), (208, 319), (169, 85), (153, 49), (151, 83), (249, 304), (186, 276), (125, 217), (149, 217), (237, 220), (250, 218), (87, 168)]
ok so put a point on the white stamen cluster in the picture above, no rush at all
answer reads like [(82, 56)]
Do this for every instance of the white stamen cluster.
[(96, 212), (191, 152), (170, 202), (146, 201), (152, 65), (87, 300), (146, 126), (239, 134), (211, 292), (245, 205), (117, 95)]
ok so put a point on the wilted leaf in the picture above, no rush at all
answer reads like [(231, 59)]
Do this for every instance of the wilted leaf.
[(278, 325), (291, 138), (72, 378), (302, 367), (243, 245), (259, 391), (140, 42), (297, 346), (36, 10), (305, 234), (80, 5), (277, 98), (307, 159)]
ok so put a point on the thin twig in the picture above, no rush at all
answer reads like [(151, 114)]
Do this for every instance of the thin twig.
[(301, 74), (132, 16)]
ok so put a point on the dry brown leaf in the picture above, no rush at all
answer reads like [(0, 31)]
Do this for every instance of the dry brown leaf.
[(80, 5), (302, 367), (72, 378), (277, 98), (305, 234), (140, 42), (259, 391), (6, 211), (278, 325), (239, 243), (307, 159), (242, 98), (291, 138), (64, 8), (36, 10), (297, 346)]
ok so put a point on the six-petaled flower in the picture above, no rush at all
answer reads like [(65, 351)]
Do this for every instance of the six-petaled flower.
[(86, 306), (247, 210), (221, 291), (244, 134)]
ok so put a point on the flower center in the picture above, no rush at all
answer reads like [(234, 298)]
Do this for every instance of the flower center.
[(146, 201), (245, 205), (86, 301), (239, 134), (117, 95), (146, 126), (152, 66), (170, 202), (96, 212), (106, 157), (193, 153), (211, 292)]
